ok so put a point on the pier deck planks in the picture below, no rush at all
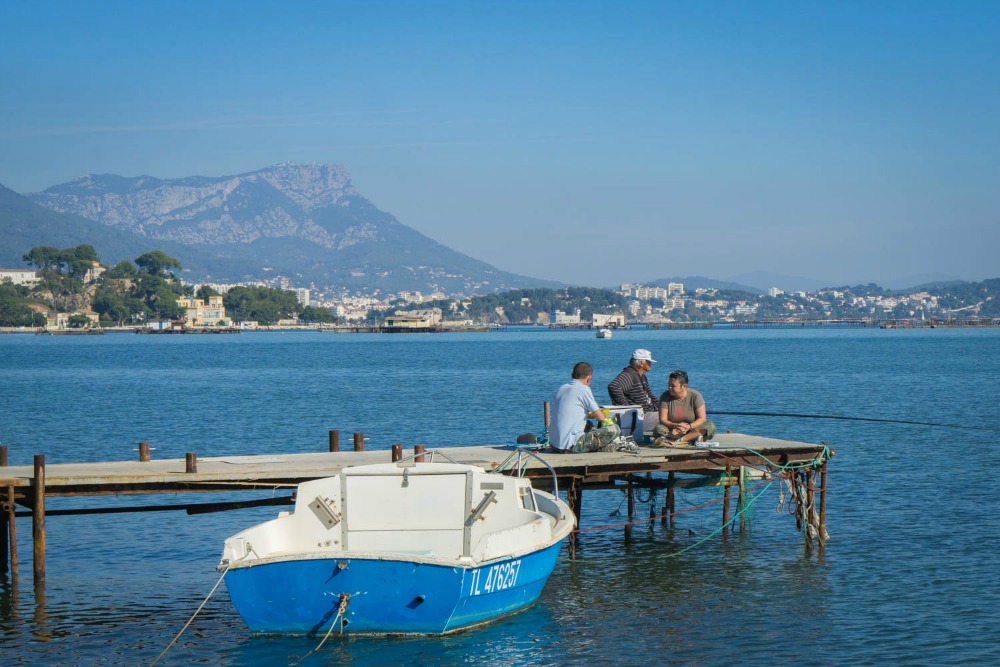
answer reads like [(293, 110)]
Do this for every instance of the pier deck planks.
[(231, 473)]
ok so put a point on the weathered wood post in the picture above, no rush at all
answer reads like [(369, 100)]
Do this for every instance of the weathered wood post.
[(191, 462), (419, 450), (725, 502), (4, 544), (810, 505), (630, 494), (334, 441), (574, 497), (822, 505), (546, 415), (668, 504), (12, 531), (741, 503), (359, 442), (144, 452), (38, 519), (397, 452), (652, 505)]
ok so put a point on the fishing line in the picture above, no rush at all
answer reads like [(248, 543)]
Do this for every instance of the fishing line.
[(860, 419)]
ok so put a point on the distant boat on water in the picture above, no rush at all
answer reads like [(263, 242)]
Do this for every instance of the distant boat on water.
[(604, 332)]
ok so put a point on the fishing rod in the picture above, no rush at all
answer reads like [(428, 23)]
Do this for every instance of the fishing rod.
[(860, 419)]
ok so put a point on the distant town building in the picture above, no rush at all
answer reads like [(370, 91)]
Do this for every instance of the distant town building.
[(774, 291), (302, 294), (19, 276), (200, 313), (675, 288), (559, 317), (609, 320)]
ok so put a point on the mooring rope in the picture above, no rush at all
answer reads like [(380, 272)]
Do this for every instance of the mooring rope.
[(174, 641), (344, 597)]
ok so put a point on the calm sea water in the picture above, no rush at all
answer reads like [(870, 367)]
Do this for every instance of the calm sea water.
[(906, 578)]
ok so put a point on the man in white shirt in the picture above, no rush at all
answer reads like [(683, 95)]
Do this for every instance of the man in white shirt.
[(573, 404)]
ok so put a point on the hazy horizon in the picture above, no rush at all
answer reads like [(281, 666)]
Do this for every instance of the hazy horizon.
[(588, 143)]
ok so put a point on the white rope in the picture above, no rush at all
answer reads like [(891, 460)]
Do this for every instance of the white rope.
[(344, 597), (192, 617)]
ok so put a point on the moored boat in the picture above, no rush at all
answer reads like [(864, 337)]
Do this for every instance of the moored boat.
[(604, 332), (397, 548)]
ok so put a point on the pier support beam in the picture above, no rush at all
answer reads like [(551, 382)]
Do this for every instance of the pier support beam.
[(630, 492), (3, 516), (359, 442), (397, 452), (10, 506), (38, 519), (741, 502), (334, 441), (822, 505), (725, 502), (574, 497), (418, 451), (668, 508)]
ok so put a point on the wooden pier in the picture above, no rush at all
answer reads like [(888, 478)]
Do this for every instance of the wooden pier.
[(727, 465)]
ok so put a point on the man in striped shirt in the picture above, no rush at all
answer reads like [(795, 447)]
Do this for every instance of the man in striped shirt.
[(631, 387)]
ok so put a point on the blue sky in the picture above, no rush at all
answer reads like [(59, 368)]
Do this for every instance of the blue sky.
[(593, 143)]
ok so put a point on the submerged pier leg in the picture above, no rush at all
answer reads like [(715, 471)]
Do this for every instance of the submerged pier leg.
[(12, 533), (822, 505), (630, 493), (574, 496), (741, 502), (38, 519), (809, 507), (725, 502), (4, 545), (668, 509)]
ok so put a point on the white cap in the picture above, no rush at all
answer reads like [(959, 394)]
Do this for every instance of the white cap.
[(643, 355)]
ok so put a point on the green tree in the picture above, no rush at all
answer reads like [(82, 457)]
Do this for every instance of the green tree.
[(124, 270), (156, 262), (44, 257), (315, 314)]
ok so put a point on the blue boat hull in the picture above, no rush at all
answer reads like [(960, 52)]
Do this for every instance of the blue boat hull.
[(386, 597)]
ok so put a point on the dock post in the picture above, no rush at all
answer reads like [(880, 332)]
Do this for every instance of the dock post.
[(668, 509), (143, 452), (12, 533), (822, 505), (725, 502), (546, 415), (652, 505), (38, 519), (418, 450), (334, 441), (810, 505), (630, 493), (359, 442), (397, 452), (574, 496), (191, 462), (4, 544), (741, 503)]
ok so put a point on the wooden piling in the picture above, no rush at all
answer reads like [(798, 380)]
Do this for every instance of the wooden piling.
[(574, 497), (334, 441), (546, 415), (38, 519), (418, 450), (144, 452), (12, 533), (669, 508), (810, 507), (741, 503), (4, 543), (397, 452), (822, 505), (652, 505), (725, 502), (630, 493), (359, 442), (191, 462)]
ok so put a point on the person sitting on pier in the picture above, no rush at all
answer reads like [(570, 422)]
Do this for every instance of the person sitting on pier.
[(574, 403), (682, 415), (630, 387)]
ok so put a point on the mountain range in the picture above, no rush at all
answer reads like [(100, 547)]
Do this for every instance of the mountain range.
[(306, 222)]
